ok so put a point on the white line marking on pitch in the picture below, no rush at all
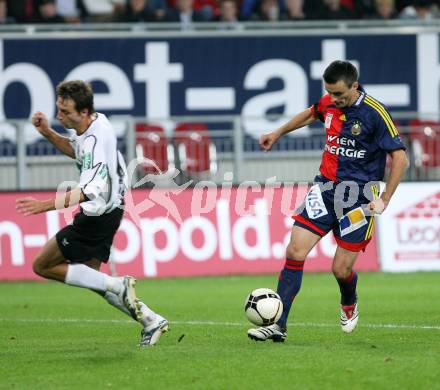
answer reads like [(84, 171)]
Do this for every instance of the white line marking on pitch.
[(215, 323)]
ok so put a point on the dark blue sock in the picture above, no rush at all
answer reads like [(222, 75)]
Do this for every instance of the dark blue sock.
[(348, 289), (289, 284)]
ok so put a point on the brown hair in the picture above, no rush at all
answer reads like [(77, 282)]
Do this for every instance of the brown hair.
[(79, 91), (341, 70)]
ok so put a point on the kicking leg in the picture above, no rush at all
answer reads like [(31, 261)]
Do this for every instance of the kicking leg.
[(154, 325), (301, 243), (112, 298), (51, 264)]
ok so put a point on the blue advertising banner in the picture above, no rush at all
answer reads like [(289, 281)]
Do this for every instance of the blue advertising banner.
[(250, 76)]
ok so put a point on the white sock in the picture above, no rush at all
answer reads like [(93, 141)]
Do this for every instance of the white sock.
[(81, 275), (148, 315), (113, 299)]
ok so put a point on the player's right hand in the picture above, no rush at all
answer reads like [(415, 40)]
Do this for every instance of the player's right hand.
[(29, 206), (377, 206), (267, 141), (41, 123)]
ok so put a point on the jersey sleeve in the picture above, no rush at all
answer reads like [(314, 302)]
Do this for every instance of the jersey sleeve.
[(93, 179), (74, 144), (387, 135), (319, 108)]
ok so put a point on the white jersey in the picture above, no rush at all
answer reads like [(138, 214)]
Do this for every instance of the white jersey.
[(103, 177)]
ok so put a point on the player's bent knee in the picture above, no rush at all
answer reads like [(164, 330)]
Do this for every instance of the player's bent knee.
[(38, 267), (341, 272), (295, 252)]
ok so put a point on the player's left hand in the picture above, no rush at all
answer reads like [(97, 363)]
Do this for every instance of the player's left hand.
[(28, 206), (377, 206)]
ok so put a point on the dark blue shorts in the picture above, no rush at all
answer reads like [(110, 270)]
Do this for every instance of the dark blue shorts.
[(340, 207)]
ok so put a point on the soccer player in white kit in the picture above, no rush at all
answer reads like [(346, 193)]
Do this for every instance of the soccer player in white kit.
[(75, 254)]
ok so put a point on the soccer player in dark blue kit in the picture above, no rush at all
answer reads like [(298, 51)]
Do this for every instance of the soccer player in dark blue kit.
[(359, 135)]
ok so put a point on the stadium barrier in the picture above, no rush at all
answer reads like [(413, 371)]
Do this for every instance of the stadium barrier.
[(175, 75), (220, 230), (29, 162), (175, 232)]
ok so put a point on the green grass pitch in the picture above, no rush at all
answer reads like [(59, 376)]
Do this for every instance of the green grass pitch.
[(60, 337)]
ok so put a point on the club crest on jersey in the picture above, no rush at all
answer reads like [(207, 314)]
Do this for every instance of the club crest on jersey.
[(328, 120), (356, 128)]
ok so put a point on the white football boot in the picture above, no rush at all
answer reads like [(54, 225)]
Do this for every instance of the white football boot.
[(349, 317), (273, 332), (150, 335)]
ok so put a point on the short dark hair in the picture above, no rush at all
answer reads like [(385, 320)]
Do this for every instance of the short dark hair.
[(341, 70), (79, 91)]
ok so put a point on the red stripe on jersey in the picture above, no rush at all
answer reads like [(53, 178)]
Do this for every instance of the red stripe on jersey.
[(329, 166), (333, 127)]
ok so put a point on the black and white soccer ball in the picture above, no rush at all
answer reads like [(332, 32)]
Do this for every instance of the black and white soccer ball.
[(263, 307)]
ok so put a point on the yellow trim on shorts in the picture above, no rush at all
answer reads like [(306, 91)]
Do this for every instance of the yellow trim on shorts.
[(369, 233)]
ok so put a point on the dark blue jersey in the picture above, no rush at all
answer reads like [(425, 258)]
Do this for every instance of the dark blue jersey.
[(357, 139)]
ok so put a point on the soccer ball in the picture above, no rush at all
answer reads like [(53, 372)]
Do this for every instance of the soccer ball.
[(263, 307)]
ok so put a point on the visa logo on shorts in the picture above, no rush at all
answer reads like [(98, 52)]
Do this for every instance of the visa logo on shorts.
[(314, 204), (351, 221)]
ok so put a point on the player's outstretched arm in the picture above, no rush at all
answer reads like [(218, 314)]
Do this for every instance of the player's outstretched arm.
[(302, 119), (29, 206), (399, 165), (41, 123)]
